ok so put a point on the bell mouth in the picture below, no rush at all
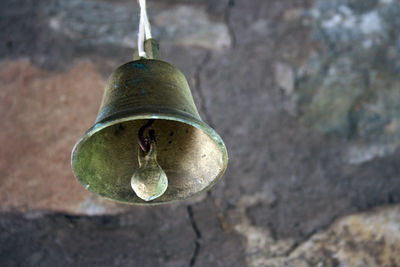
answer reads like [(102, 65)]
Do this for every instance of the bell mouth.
[(190, 152)]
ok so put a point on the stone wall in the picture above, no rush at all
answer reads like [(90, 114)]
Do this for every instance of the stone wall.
[(304, 93)]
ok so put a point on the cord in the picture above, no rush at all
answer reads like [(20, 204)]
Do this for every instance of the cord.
[(144, 32)]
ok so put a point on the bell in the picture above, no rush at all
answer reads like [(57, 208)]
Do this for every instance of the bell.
[(148, 144)]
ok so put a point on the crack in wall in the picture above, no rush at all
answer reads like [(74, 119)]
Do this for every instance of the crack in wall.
[(198, 88), (198, 236)]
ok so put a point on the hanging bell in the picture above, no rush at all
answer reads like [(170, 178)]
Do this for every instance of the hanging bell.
[(148, 101)]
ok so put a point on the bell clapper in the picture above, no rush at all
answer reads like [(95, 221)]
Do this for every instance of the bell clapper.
[(149, 181)]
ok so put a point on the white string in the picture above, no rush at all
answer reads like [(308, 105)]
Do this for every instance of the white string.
[(147, 27), (141, 36), (144, 28)]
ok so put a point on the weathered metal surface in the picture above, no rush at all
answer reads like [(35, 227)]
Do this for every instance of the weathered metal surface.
[(190, 152), (149, 181)]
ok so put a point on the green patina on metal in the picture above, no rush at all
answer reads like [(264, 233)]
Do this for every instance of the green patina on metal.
[(194, 157)]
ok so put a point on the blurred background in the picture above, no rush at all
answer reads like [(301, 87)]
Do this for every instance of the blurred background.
[(306, 95)]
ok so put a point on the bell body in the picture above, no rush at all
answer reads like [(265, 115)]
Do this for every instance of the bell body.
[(150, 85), (190, 152)]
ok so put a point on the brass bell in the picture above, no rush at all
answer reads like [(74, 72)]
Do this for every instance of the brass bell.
[(147, 102)]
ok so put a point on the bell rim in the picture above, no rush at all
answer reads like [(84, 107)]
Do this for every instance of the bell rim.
[(173, 115)]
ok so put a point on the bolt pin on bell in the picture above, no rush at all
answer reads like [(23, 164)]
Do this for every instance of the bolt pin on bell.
[(148, 144)]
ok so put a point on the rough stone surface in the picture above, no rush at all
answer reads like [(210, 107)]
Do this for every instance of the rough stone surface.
[(371, 239), (39, 130), (55, 239), (116, 25), (350, 86), (161, 236), (304, 93)]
